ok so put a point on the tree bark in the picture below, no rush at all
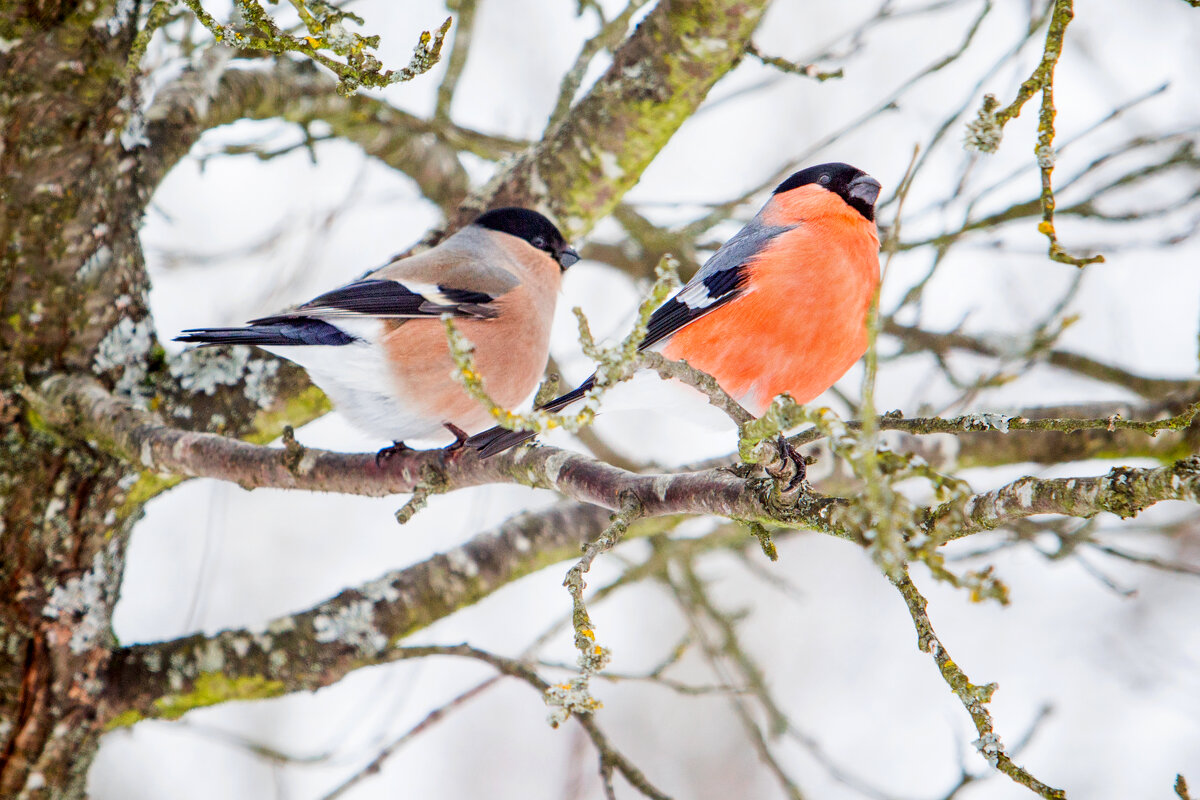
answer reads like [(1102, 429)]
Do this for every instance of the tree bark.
[(73, 298)]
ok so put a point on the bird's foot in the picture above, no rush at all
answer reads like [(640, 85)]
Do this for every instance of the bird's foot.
[(394, 449), (790, 471), (460, 438)]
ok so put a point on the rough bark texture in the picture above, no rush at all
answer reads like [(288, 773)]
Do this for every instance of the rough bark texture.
[(72, 270)]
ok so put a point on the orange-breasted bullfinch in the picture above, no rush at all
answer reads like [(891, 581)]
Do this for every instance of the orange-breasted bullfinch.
[(781, 307), (377, 345)]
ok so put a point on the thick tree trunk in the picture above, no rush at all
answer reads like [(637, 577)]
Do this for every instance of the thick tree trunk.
[(72, 298)]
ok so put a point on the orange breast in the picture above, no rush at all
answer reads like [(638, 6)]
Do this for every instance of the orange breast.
[(801, 322), (510, 350)]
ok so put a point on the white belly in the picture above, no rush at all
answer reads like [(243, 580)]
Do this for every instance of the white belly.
[(357, 381)]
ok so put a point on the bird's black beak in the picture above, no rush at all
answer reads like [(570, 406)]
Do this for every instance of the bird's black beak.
[(567, 257), (865, 188)]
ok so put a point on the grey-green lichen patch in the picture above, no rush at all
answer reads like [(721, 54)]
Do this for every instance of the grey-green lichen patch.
[(990, 747), (125, 350), (462, 563), (209, 657), (354, 625), (565, 699), (574, 696), (277, 660), (211, 688), (203, 370), (986, 130), (982, 421), (121, 16), (380, 590), (133, 135), (80, 604)]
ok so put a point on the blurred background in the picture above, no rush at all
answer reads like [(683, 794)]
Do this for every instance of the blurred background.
[(1097, 657)]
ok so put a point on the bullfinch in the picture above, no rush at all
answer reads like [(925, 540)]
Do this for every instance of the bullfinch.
[(378, 349), (781, 307)]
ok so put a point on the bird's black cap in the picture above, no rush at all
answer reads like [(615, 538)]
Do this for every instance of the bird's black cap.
[(533, 228), (856, 187)]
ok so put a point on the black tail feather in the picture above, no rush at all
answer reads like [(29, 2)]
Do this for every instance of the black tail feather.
[(281, 331), (497, 440)]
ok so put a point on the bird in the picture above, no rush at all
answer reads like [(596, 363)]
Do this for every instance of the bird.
[(780, 307), (377, 347)]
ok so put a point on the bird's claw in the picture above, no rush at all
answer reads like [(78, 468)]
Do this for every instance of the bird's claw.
[(394, 449), (790, 471), (460, 438)]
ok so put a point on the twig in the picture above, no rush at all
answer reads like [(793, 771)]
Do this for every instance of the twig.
[(256, 30), (974, 698), (428, 721), (607, 38), (792, 68), (463, 33), (693, 600), (985, 132)]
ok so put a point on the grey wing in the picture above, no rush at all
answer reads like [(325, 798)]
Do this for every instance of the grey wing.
[(456, 278), (721, 279), (389, 299)]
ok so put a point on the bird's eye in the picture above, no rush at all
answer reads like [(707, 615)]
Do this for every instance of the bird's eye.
[(824, 179), (538, 242)]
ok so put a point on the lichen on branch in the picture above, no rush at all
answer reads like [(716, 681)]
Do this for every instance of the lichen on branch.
[(985, 132), (344, 53)]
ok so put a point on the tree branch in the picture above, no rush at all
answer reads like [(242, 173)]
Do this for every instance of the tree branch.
[(210, 95), (317, 647), (974, 698), (1122, 491), (80, 407), (917, 339)]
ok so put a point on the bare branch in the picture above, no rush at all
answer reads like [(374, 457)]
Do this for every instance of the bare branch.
[(974, 698), (1123, 491), (608, 37), (210, 95), (918, 339), (985, 132), (792, 68), (458, 55)]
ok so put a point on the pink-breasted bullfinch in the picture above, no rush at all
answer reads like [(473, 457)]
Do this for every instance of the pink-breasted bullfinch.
[(781, 307), (377, 346)]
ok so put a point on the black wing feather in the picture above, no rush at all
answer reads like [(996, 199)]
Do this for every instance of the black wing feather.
[(384, 298), (464, 296), (497, 439), (672, 315)]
